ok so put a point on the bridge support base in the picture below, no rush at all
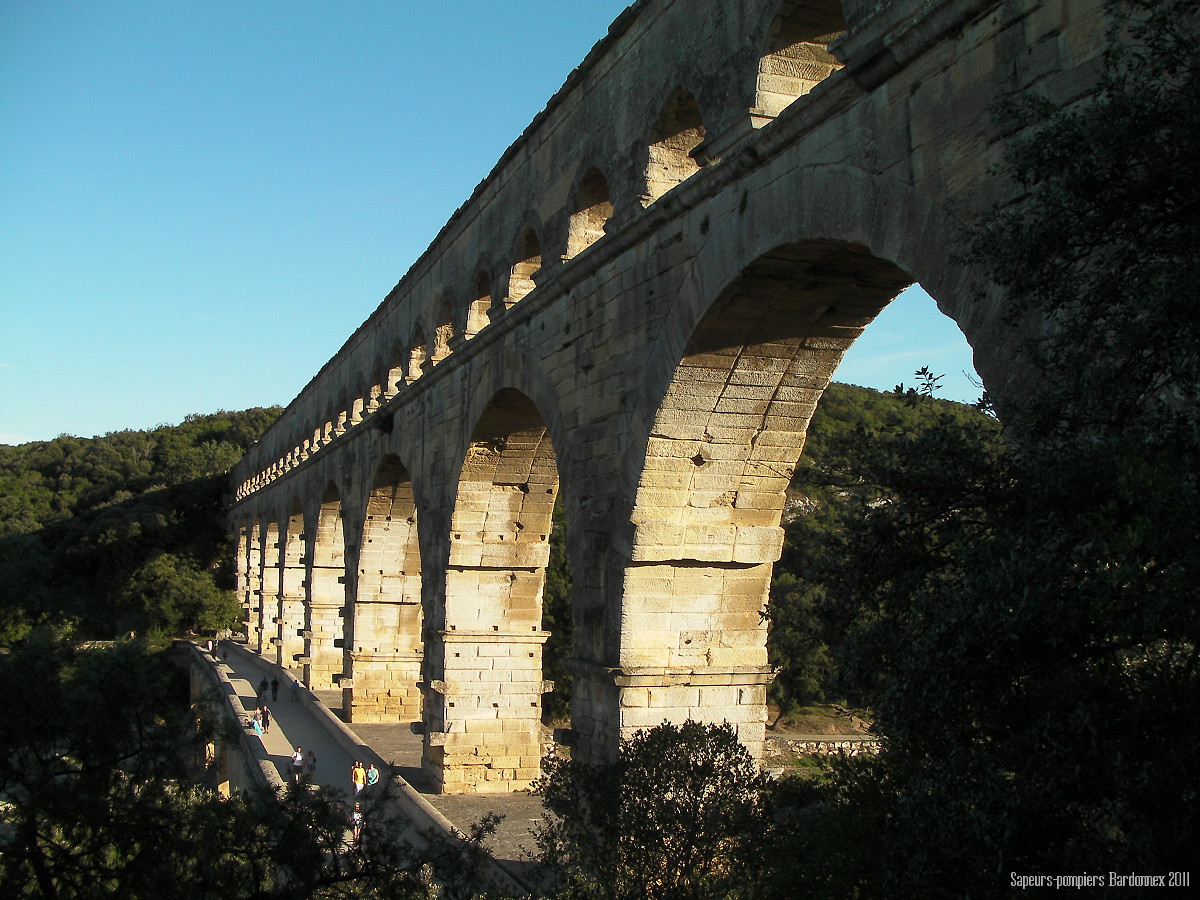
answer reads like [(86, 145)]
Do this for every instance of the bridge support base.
[(484, 717), (610, 705), (383, 687)]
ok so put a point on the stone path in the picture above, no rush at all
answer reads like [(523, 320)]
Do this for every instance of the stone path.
[(513, 843), (292, 725)]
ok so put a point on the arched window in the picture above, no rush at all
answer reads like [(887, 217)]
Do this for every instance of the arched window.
[(416, 357), (443, 333), (796, 57), (593, 207), (678, 131), (479, 313), (528, 261), (397, 372)]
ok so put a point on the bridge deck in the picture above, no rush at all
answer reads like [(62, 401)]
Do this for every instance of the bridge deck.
[(293, 724)]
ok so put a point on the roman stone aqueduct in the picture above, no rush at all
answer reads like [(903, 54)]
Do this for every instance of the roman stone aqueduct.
[(635, 312)]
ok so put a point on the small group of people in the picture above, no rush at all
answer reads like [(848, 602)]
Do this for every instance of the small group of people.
[(261, 721), (304, 766), (263, 686), (362, 778)]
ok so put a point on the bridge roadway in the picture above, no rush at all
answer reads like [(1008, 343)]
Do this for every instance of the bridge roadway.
[(298, 724)]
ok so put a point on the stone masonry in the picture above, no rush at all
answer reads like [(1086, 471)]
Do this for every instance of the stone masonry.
[(635, 313)]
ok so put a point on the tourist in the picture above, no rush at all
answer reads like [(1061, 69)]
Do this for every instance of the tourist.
[(274, 689), (310, 767), (297, 765), (356, 820), (372, 776), (295, 689), (266, 719), (262, 689), (358, 777)]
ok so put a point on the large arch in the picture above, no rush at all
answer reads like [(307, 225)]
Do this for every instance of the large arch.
[(724, 443), (769, 305), (483, 712), (383, 638), (326, 595)]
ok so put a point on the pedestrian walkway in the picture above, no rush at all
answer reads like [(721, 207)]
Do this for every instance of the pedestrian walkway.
[(513, 843), (294, 723)]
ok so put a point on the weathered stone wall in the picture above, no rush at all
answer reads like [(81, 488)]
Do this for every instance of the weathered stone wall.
[(636, 311)]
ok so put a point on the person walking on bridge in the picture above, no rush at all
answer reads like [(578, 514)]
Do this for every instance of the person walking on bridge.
[(358, 777), (310, 767), (297, 765), (274, 689)]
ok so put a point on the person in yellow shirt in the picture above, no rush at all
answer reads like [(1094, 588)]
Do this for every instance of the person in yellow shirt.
[(358, 776)]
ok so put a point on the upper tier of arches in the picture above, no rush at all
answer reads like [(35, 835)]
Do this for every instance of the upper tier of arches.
[(611, 144)]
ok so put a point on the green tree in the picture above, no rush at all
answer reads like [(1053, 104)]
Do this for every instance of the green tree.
[(99, 801), (1023, 616), (672, 817)]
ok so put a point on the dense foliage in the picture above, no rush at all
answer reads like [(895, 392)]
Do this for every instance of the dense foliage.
[(123, 532), (674, 816), (829, 494), (1022, 613), (103, 782)]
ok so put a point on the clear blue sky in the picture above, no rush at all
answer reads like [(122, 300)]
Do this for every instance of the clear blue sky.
[(200, 201)]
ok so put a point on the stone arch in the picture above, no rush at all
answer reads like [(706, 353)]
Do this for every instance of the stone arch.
[(725, 440), (397, 370), (795, 55), (480, 306), (499, 548), (417, 354), (383, 646), (326, 594), (678, 130), (442, 334), (591, 210), (893, 221), (527, 261), (244, 566), (764, 314), (340, 417)]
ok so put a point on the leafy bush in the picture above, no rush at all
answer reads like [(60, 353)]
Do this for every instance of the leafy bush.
[(672, 817)]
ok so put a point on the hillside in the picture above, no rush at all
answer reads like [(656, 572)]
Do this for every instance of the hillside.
[(126, 532), (123, 532)]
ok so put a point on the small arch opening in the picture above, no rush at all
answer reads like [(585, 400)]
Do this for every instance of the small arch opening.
[(416, 357), (396, 373), (796, 56), (479, 314), (678, 131), (593, 208), (528, 262)]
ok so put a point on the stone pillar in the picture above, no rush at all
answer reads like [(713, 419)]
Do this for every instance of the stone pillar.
[(253, 586), (383, 646), (488, 704), (323, 628), (269, 592), (293, 590), (483, 702)]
